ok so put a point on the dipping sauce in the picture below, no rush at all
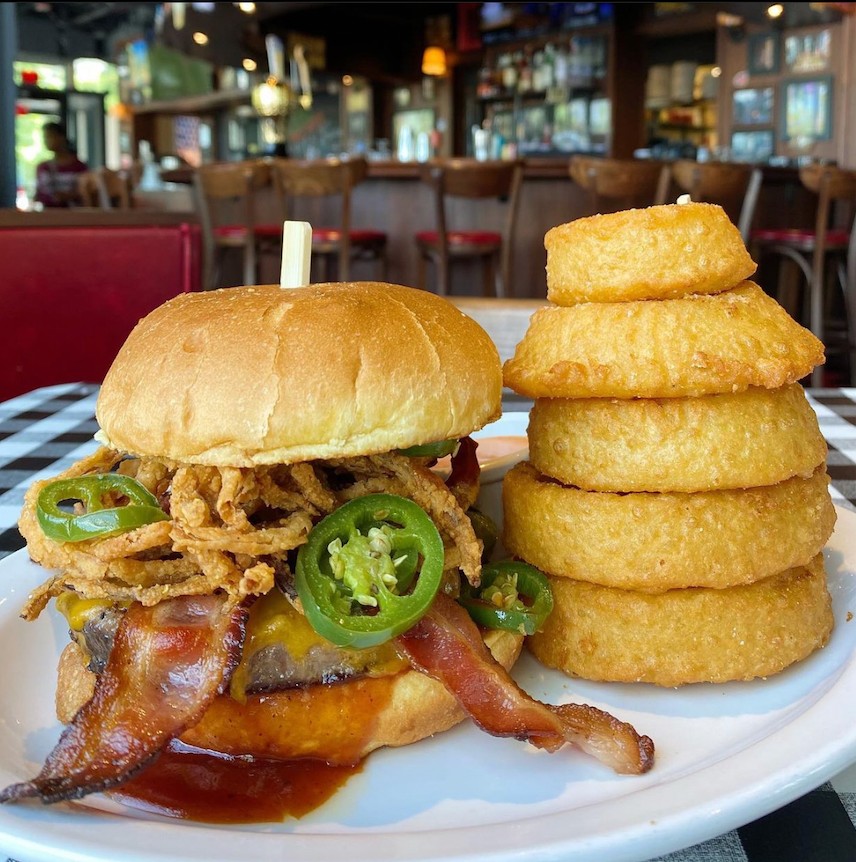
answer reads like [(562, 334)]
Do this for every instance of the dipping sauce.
[(493, 448), (489, 449), (191, 784)]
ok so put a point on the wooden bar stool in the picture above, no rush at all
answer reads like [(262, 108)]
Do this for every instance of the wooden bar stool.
[(340, 243), (617, 184), (87, 189), (734, 187), (114, 189), (816, 252), (226, 200), (106, 189), (471, 179)]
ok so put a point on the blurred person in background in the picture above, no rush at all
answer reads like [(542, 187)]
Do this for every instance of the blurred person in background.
[(57, 178)]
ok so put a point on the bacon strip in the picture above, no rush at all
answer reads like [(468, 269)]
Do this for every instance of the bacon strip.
[(445, 644), (463, 481), (168, 663)]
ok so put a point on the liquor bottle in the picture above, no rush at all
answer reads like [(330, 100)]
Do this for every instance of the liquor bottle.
[(510, 77), (560, 66), (524, 76), (485, 87), (548, 69), (538, 72)]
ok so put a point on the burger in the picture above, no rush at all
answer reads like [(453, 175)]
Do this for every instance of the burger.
[(262, 559)]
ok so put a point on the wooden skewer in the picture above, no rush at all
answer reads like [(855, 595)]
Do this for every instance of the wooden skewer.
[(296, 254)]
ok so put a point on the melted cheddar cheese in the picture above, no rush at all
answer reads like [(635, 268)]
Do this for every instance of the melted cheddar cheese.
[(78, 610), (274, 620)]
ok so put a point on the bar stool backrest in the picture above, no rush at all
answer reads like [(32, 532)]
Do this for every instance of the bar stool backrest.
[(472, 179), (114, 189), (734, 187), (225, 194), (834, 186), (312, 178), (615, 184), (87, 189)]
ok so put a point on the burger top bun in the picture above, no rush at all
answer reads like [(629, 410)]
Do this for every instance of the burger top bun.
[(264, 375)]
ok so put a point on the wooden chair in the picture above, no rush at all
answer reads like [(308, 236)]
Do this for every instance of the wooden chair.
[(734, 187), (226, 201), (114, 188), (340, 243), (105, 188), (87, 189), (504, 320), (819, 252), (471, 179), (617, 184)]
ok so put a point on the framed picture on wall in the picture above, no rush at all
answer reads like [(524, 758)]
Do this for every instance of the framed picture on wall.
[(807, 109), (757, 145), (763, 54), (808, 53), (753, 106)]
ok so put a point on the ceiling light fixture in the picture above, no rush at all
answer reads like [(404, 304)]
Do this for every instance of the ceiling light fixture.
[(178, 14), (249, 65), (249, 8), (775, 11), (434, 61), (200, 38), (726, 19)]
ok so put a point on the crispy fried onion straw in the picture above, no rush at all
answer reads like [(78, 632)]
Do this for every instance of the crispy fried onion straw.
[(228, 526)]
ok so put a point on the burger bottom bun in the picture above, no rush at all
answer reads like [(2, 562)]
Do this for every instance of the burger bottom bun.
[(339, 722), (686, 635)]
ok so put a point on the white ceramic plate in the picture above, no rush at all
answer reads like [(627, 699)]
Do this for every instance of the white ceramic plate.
[(726, 754)]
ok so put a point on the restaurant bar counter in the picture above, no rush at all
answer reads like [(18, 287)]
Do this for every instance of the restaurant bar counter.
[(393, 200), (44, 431)]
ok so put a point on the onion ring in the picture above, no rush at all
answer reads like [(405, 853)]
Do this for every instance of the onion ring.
[(660, 252), (740, 440), (657, 542), (696, 345), (686, 636)]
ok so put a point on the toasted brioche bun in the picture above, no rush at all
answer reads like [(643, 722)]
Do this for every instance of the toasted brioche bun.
[(339, 722), (695, 345), (660, 541), (261, 375), (659, 252), (686, 636), (733, 440)]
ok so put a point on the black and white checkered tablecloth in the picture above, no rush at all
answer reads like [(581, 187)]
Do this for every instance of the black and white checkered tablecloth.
[(45, 431)]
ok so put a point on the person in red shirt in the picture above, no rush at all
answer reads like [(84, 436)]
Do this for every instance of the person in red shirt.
[(57, 178)]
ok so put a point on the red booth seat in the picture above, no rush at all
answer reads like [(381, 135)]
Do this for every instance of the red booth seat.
[(70, 295)]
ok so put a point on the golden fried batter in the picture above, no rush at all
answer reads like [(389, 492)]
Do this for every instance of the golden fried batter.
[(210, 543), (685, 636), (696, 345), (740, 440), (660, 252), (657, 542)]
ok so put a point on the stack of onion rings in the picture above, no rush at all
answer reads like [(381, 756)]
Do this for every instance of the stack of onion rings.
[(677, 494)]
